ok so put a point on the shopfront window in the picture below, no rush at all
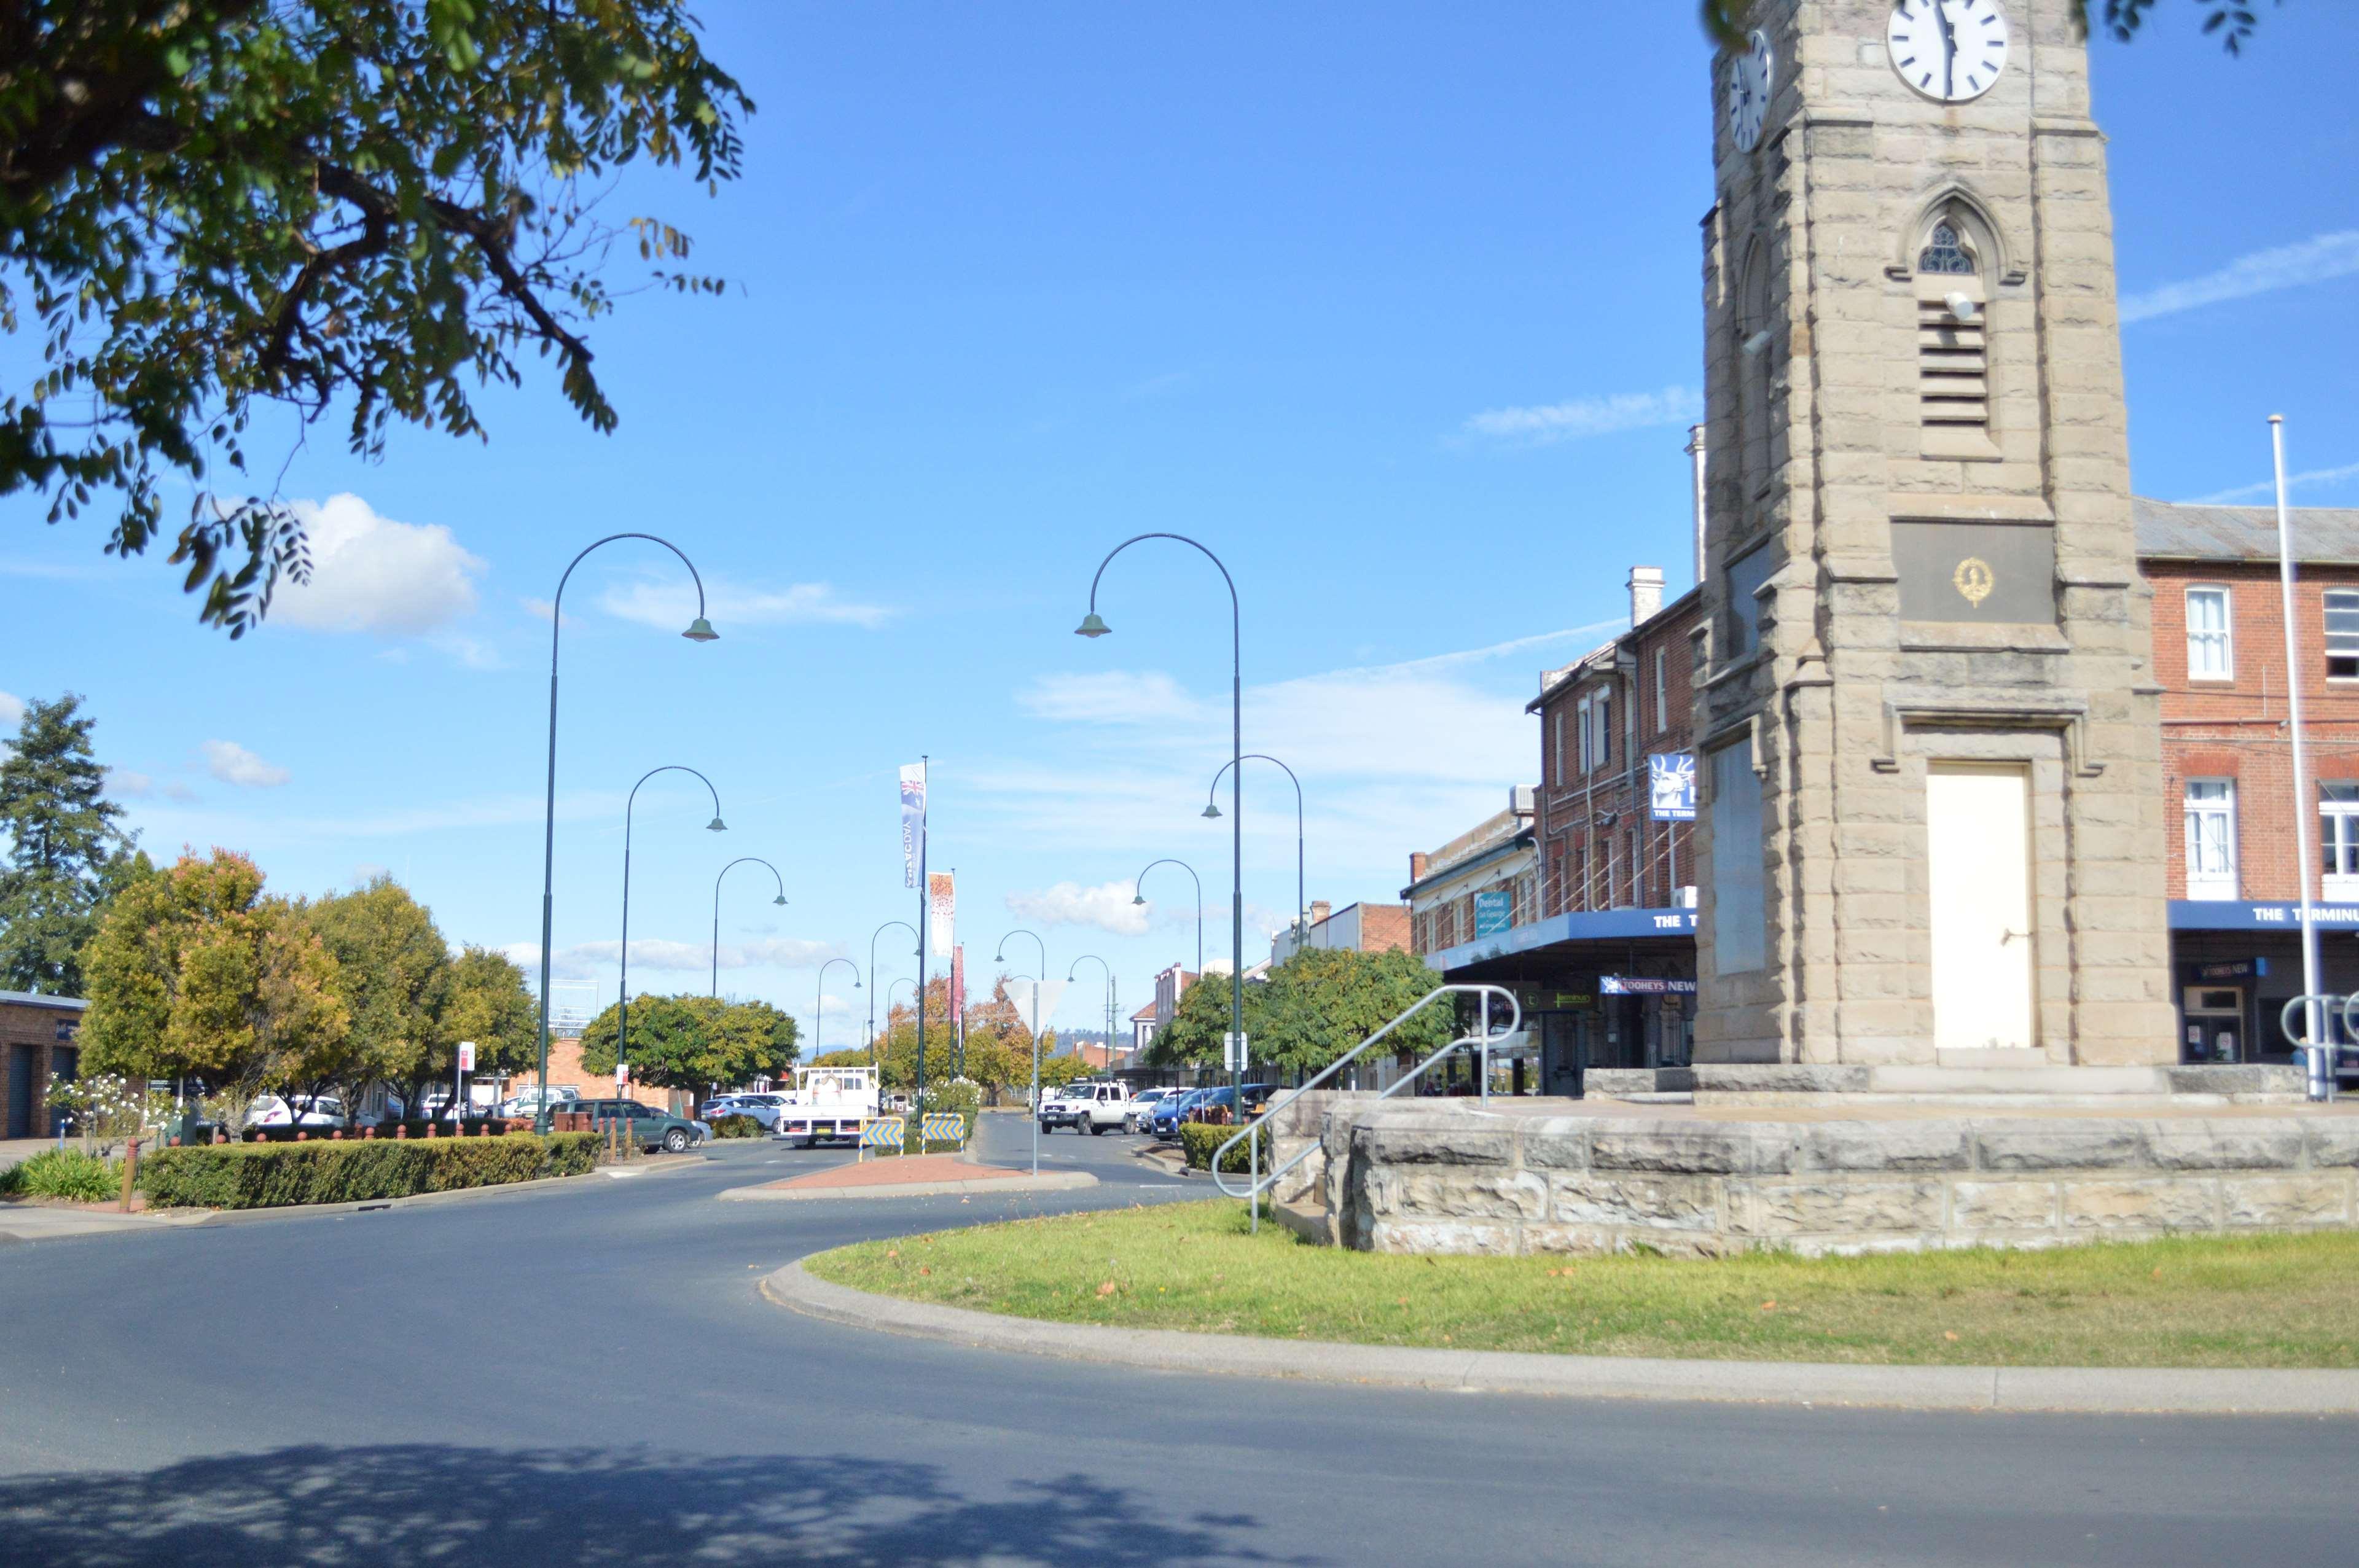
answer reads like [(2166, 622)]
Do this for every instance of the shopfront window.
[(2338, 837)]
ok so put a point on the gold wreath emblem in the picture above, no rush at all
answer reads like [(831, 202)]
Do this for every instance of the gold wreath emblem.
[(1973, 580)]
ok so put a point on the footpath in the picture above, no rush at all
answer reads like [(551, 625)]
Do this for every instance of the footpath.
[(908, 1176)]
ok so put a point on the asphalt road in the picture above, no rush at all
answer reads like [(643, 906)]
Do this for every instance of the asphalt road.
[(586, 1376)]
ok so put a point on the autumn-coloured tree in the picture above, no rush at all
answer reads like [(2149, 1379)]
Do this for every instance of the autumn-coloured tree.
[(195, 973)]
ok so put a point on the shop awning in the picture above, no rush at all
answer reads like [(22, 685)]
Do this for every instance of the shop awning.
[(1588, 924)]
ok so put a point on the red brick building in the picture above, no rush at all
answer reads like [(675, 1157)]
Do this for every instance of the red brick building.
[(37, 1041), (2220, 658)]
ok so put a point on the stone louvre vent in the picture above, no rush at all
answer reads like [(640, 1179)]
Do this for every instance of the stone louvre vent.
[(1447, 1177)]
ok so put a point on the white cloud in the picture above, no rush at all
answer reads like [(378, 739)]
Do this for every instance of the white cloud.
[(1106, 907), (1113, 696), (2263, 272), (670, 605), (372, 574), (11, 710), (233, 764), (1546, 424), (2267, 488), (132, 786), (368, 872)]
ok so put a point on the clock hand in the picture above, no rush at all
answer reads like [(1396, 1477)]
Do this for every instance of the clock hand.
[(1949, 48)]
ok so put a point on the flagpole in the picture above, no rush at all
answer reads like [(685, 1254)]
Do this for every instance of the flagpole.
[(2314, 1021), (925, 906)]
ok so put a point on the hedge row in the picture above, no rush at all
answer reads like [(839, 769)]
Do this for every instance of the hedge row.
[(273, 1175), (739, 1127), (1199, 1139)]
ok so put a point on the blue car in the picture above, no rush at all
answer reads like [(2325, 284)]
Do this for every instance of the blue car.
[(1172, 1110)]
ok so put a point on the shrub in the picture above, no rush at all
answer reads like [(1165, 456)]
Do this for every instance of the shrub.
[(272, 1175), (1201, 1138), (64, 1173), (738, 1127)]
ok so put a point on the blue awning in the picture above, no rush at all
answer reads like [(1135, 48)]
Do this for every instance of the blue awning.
[(1580, 926), (2227, 914)]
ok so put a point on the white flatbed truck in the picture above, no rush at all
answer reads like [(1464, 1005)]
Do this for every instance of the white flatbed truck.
[(828, 1104)]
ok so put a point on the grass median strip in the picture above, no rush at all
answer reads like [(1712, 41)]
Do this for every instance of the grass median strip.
[(2267, 1301)]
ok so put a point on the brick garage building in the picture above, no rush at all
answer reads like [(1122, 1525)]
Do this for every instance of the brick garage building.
[(37, 1041), (2227, 752)]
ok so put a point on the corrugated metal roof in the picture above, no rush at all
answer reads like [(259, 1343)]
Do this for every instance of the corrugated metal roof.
[(34, 999), (2185, 531)]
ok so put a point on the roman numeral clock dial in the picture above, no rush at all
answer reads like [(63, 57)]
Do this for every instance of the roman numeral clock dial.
[(1948, 49)]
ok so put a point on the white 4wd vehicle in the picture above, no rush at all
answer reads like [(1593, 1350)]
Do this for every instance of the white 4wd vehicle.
[(1086, 1107)]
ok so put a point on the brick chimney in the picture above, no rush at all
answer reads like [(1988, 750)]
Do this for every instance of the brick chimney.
[(1320, 909), (1417, 861), (1646, 593)]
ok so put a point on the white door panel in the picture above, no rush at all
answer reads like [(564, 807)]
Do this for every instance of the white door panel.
[(1978, 854)]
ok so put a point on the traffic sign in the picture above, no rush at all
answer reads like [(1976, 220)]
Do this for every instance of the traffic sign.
[(1234, 1047)]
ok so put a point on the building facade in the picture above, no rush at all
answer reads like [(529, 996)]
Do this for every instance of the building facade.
[(1355, 927), (2235, 873), (1929, 740), (36, 1042)]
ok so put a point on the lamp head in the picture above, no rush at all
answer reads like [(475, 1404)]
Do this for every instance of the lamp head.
[(716, 826), (1092, 625), (1212, 810), (780, 899), (701, 630), (1138, 898)]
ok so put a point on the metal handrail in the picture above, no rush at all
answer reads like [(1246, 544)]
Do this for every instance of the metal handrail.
[(2322, 1054), (1251, 1133)]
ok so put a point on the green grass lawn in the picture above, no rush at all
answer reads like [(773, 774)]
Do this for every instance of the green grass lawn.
[(2269, 1301)]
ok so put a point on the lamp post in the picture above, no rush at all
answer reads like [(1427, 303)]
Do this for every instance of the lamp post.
[(999, 956), (872, 974), (1302, 909), (699, 630), (1140, 898), (819, 1003), (1069, 977), (741, 860), (623, 1018), (1093, 626)]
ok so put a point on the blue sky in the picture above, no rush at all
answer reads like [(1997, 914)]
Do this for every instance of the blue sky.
[(1396, 309)]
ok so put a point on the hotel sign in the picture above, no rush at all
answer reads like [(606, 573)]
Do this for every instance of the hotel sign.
[(2227, 914), (1643, 985), (1671, 787)]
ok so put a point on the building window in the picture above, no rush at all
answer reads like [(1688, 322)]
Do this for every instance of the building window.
[(2338, 837), (1945, 253), (1662, 689), (2343, 633), (2210, 838), (1556, 746), (1581, 727), (1746, 575), (1605, 728), (2210, 655)]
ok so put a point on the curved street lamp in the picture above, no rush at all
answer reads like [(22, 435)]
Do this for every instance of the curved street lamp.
[(699, 630), (999, 956), (872, 974), (741, 861), (1093, 626), (623, 1020), (1139, 897), (1301, 910), (1070, 976), (818, 1005)]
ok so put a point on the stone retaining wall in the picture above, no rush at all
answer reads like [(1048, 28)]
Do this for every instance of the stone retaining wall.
[(1444, 1179)]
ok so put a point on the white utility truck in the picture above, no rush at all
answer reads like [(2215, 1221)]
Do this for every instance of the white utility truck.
[(827, 1103), (1086, 1107)]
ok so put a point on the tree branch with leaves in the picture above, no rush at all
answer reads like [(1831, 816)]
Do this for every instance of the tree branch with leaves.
[(209, 208)]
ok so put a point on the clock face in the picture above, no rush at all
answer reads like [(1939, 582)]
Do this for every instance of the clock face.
[(1749, 78), (1948, 49)]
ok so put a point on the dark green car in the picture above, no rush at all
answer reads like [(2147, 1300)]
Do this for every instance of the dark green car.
[(644, 1125)]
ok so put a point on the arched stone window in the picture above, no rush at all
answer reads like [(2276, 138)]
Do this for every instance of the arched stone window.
[(1945, 251), (1953, 244)]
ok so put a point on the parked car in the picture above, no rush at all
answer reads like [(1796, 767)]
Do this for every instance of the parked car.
[(644, 1125), (1139, 1116), (529, 1102), (1219, 1105), (1085, 1107), (763, 1108), (309, 1110), (1172, 1110)]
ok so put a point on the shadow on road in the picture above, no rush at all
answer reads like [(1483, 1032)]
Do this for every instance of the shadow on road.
[(393, 1507)]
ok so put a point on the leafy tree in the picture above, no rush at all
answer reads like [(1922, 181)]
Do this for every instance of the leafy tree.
[(1057, 1069), (66, 855), (194, 973), (897, 1057), (1323, 1001), (490, 1003), (1727, 21), (1199, 1024), (213, 206), (693, 1042), (394, 972), (852, 1058)]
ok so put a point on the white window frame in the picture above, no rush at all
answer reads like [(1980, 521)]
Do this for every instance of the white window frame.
[(2201, 643), (2209, 814), (1556, 743), (1662, 689), (2338, 839), (2327, 610), (1582, 724)]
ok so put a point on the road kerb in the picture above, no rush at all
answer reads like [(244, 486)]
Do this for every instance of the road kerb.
[(1046, 1182), (2073, 1389)]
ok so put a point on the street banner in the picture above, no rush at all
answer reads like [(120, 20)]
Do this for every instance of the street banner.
[(1671, 787), (945, 911), (1020, 994), (913, 820)]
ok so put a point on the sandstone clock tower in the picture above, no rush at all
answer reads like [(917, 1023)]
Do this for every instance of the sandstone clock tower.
[(1929, 738)]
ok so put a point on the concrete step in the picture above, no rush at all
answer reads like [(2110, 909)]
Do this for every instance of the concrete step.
[(1306, 1218)]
